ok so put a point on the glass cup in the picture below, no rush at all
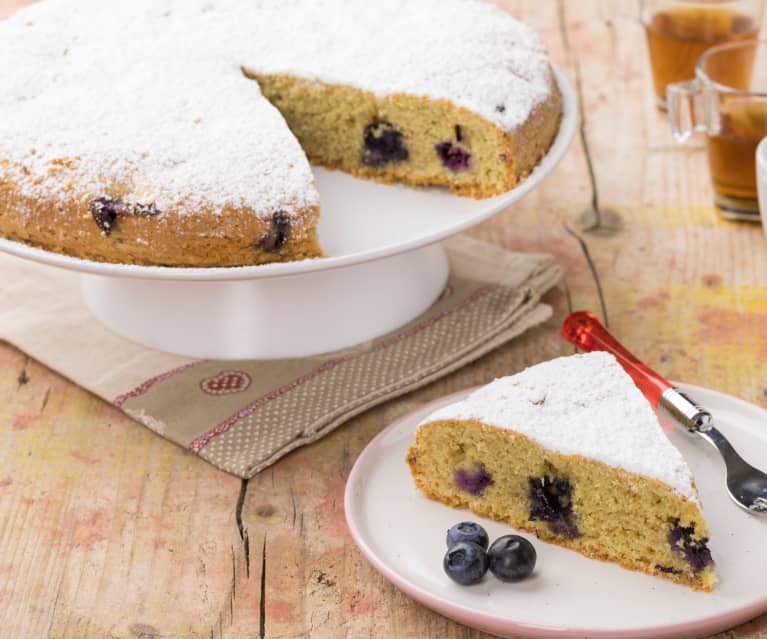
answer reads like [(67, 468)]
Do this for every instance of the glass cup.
[(680, 31), (728, 101), (761, 176)]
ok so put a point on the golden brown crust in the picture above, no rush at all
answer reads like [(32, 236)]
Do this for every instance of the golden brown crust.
[(704, 581), (534, 138), (226, 237)]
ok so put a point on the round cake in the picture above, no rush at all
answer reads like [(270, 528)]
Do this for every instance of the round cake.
[(180, 132)]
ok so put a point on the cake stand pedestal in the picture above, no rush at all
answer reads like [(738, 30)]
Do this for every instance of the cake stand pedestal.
[(273, 318)]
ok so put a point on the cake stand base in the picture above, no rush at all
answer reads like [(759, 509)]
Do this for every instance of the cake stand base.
[(274, 318)]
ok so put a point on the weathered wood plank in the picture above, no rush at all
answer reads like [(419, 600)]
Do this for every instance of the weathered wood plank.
[(137, 539), (7, 7), (683, 286), (684, 289), (105, 529)]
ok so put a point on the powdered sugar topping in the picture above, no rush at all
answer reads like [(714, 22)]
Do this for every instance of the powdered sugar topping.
[(146, 100), (466, 51), (130, 101), (581, 405)]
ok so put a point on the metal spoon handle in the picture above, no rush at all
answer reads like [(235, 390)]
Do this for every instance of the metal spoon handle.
[(583, 329)]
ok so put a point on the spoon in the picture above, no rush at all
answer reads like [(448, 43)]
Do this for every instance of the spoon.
[(747, 485)]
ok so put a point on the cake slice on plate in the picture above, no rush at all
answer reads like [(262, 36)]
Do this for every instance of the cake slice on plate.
[(571, 451)]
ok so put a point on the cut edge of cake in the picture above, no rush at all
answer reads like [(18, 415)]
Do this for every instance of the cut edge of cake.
[(411, 139), (603, 510)]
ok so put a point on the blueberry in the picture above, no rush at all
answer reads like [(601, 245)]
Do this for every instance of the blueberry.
[(453, 156), (468, 531), (382, 143), (512, 558), (473, 481), (551, 500), (695, 551), (277, 234), (465, 563), (106, 211)]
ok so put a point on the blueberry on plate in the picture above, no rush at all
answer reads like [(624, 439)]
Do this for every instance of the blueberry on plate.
[(465, 563), (468, 531), (512, 558)]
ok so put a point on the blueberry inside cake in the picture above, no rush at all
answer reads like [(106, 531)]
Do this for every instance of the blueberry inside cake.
[(180, 132), (570, 450)]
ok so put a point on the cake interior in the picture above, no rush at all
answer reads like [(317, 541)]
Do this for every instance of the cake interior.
[(583, 504), (410, 139)]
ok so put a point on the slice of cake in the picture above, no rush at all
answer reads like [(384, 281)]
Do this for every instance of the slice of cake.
[(570, 450)]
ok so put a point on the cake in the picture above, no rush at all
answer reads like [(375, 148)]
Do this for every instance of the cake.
[(570, 450), (179, 132)]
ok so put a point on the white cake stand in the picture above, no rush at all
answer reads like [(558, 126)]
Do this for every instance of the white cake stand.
[(385, 268)]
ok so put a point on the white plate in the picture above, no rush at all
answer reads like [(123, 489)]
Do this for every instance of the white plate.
[(402, 533), (360, 221)]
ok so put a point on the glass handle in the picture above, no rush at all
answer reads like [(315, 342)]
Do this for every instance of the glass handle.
[(684, 101)]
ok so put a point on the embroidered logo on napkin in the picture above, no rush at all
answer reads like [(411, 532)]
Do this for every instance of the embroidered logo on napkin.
[(226, 382)]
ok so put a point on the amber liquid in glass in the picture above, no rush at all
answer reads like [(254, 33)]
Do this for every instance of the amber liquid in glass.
[(732, 152), (677, 37)]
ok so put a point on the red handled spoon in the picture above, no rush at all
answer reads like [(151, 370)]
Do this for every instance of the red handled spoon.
[(746, 484)]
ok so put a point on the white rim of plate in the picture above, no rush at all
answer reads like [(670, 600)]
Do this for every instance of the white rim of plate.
[(464, 614), (567, 129)]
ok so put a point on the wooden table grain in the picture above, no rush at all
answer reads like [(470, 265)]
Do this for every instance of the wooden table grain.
[(108, 531)]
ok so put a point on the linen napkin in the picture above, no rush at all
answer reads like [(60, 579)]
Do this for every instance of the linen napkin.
[(242, 416)]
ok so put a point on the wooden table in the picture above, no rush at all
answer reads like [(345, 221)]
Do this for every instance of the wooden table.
[(140, 539)]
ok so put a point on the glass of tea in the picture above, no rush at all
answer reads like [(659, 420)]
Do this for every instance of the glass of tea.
[(727, 100), (680, 31)]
